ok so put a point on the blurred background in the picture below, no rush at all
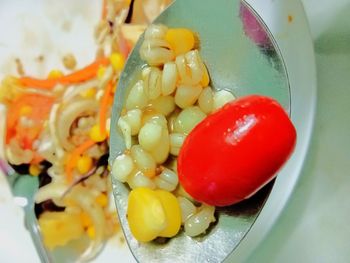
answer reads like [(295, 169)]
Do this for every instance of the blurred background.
[(314, 226)]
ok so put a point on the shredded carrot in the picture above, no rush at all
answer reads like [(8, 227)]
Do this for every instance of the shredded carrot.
[(73, 158), (104, 9), (83, 74), (86, 73), (105, 102), (34, 107)]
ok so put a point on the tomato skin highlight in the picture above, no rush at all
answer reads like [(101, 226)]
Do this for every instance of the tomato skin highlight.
[(235, 151)]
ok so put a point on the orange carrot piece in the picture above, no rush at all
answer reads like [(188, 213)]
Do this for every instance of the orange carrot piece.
[(83, 74), (38, 83), (74, 156), (104, 9), (105, 102), (86, 73)]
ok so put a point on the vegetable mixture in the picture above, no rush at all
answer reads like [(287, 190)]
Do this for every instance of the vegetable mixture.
[(57, 128), (171, 97), (190, 148)]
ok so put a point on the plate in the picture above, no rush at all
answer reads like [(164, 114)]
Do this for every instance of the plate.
[(53, 28)]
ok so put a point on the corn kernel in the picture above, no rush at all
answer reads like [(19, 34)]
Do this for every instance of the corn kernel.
[(89, 93), (26, 110), (100, 72), (85, 219), (117, 61), (181, 40), (55, 74), (34, 170), (96, 135), (91, 232), (172, 212), (146, 216), (84, 164), (102, 200), (205, 80)]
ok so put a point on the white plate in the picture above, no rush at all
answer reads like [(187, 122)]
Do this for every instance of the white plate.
[(52, 28)]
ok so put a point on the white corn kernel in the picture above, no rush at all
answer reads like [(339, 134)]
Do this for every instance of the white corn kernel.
[(152, 78), (186, 96), (194, 63), (161, 152), (188, 119), (126, 131), (222, 97), (199, 222), (176, 141), (133, 118), (137, 98), (167, 180), (169, 78), (138, 179), (187, 208), (156, 31), (172, 120), (150, 135), (180, 191), (154, 117), (122, 167), (181, 66), (205, 100), (156, 52), (144, 160), (164, 105)]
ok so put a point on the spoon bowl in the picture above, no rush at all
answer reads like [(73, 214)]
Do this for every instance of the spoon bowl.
[(243, 58)]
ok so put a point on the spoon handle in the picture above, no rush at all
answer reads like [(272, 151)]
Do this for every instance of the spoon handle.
[(31, 224)]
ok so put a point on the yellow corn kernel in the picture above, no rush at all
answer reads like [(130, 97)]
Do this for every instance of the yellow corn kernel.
[(91, 232), (85, 219), (181, 40), (26, 110), (145, 214), (58, 228), (117, 61), (34, 170), (55, 74), (96, 135), (84, 164), (89, 93), (172, 212), (100, 72), (205, 80), (10, 89), (102, 200)]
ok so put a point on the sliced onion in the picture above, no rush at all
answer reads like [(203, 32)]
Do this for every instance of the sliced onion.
[(83, 198), (69, 113), (53, 190)]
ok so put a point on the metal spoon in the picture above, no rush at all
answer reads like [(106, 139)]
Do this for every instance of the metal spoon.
[(23, 188), (242, 57)]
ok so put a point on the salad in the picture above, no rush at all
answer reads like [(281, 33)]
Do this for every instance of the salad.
[(57, 128)]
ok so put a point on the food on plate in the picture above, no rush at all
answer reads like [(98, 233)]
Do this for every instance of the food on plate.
[(167, 100), (236, 150), (57, 128), (190, 148)]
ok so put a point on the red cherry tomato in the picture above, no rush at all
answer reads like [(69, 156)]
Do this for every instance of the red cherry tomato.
[(235, 151)]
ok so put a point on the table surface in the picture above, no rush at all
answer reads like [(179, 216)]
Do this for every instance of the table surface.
[(314, 226)]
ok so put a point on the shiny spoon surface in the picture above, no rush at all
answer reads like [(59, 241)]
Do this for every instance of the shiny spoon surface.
[(242, 57)]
